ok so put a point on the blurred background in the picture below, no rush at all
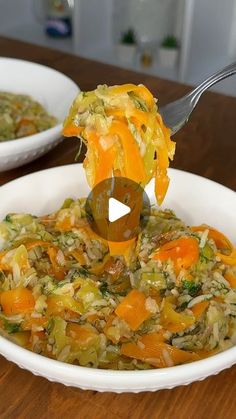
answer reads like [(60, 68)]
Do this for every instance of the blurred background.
[(182, 40)]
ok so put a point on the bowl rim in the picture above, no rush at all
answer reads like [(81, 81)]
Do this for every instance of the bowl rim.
[(135, 380), (57, 369), (9, 145)]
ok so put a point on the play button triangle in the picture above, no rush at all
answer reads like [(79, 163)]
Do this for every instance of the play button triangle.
[(116, 210)]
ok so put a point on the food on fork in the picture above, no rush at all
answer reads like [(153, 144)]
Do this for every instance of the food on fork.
[(124, 134)]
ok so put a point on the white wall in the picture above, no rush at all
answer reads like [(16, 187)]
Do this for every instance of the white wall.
[(93, 24), (151, 19), (210, 41), (15, 13)]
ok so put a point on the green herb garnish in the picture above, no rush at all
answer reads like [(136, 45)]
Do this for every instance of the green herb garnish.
[(11, 327), (191, 287), (104, 289)]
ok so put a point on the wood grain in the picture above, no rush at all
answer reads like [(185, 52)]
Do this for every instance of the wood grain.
[(206, 146)]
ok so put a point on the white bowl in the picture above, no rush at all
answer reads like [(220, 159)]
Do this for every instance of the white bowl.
[(195, 199), (52, 89)]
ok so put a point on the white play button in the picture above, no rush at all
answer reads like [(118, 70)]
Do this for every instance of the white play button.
[(116, 210)]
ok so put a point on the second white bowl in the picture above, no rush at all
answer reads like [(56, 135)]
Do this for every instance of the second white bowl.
[(52, 89)]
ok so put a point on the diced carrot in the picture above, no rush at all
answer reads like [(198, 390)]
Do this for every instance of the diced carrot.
[(199, 308), (72, 131), (98, 269), (174, 321), (79, 256), (64, 225), (5, 267), (202, 353), (151, 349), (109, 330), (122, 248), (92, 318), (231, 279), (52, 250), (132, 309), (26, 127), (29, 322), (58, 271), (184, 252), (16, 301), (221, 241), (82, 334), (40, 334)]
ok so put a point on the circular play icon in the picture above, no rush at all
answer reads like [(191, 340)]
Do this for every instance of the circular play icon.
[(117, 209)]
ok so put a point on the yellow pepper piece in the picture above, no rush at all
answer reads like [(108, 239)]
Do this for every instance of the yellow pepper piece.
[(173, 321)]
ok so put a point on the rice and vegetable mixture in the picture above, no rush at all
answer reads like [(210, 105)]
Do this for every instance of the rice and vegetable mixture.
[(21, 116), (170, 299)]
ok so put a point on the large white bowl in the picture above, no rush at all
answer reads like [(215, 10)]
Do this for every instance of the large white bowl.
[(195, 199), (52, 89)]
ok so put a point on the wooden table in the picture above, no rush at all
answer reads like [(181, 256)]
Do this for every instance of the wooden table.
[(206, 146)]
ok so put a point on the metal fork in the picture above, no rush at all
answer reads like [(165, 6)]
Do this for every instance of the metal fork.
[(176, 114)]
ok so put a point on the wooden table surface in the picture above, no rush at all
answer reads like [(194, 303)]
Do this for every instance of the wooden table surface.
[(206, 146)]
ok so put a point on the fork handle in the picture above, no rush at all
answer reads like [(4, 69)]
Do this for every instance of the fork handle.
[(210, 81)]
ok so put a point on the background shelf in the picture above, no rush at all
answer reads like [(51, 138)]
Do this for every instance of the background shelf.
[(205, 29)]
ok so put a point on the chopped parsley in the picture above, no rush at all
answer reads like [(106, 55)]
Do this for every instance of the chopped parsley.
[(104, 289), (192, 288), (11, 327)]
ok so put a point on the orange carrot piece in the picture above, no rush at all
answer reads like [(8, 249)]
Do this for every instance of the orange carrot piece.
[(106, 157), (58, 271), (219, 238), (79, 256), (64, 225), (122, 249), (16, 301), (4, 267), (28, 323), (184, 252), (140, 90), (36, 243), (99, 268), (108, 329), (199, 308), (151, 349), (72, 131), (52, 250), (133, 167), (82, 334), (231, 279), (132, 309), (228, 259)]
